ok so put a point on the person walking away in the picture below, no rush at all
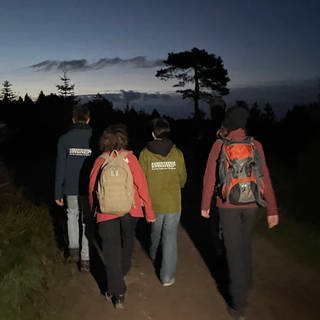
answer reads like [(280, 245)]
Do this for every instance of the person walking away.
[(71, 183), (116, 227), (164, 166), (236, 210)]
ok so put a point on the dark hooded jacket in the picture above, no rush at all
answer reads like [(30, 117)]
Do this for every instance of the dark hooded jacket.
[(73, 161)]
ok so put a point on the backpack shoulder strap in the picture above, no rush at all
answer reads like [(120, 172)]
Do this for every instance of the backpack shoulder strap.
[(225, 141), (113, 154), (107, 156), (122, 154), (248, 139)]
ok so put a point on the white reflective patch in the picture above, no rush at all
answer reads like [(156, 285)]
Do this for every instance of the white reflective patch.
[(163, 165), (80, 152)]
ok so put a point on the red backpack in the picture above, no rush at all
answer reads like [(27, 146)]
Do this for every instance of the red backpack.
[(240, 173)]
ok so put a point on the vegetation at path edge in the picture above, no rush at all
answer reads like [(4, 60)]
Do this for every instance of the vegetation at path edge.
[(28, 254)]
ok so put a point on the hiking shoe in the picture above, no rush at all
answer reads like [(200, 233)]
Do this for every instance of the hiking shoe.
[(85, 265), (169, 283), (237, 314), (108, 296), (74, 255), (118, 301)]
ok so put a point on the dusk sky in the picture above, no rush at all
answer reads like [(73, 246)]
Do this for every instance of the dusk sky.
[(108, 46)]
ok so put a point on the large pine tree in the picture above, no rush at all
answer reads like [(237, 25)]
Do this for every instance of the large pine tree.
[(201, 74)]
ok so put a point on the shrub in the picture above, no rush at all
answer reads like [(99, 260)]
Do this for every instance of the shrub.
[(28, 253)]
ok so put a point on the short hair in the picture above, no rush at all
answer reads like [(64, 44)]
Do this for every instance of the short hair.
[(80, 113), (160, 128), (114, 137)]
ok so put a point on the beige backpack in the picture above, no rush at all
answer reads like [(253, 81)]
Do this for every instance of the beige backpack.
[(115, 191)]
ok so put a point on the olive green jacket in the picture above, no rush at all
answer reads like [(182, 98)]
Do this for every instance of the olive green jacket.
[(166, 175)]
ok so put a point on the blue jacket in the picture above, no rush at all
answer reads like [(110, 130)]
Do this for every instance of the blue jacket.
[(73, 161)]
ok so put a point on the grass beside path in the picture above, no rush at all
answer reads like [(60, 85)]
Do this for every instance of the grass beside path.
[(297, 238), (28, 254)]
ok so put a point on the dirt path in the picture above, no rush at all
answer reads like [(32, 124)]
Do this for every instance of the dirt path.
[(282, 290)]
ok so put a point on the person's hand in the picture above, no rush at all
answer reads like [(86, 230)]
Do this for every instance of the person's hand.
[(273, 221), (205, 213), (60, 202), (151, 220)]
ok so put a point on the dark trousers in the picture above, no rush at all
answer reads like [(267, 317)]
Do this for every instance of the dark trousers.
[(237, 225), (117, 239)]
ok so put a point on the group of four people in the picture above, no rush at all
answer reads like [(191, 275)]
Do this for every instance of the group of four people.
[(158, 176)]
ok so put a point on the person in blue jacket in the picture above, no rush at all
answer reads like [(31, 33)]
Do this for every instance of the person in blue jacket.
[(71, 183)]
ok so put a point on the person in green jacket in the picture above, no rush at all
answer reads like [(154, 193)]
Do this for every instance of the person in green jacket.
[(164, 167)]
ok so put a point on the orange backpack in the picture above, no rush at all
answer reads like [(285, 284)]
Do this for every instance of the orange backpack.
[(240, 173)]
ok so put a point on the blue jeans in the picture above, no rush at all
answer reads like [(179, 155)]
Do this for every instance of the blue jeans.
[(77, 216), (164, 230)]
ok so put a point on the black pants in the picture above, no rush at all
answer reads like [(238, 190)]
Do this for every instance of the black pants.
[(117, 239), (237, 225)]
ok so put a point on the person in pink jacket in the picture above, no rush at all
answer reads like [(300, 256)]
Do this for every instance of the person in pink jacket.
[(117, 231), (237, 220)]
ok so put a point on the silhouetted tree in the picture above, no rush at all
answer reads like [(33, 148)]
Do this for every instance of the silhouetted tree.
[(27, 100), (41, 98), (255, 112), (318, 96), (102, 113), (198, 68), (103, 102), (155, 114), (242, 103), (268, 113), (7, 94), (66, 90)]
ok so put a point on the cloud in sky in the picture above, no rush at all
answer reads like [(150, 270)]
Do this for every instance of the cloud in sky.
[(168, 104), (281, 96), (84, 65)]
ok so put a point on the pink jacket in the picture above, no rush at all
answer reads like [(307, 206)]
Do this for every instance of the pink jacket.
[(141, 193), (209, 179)]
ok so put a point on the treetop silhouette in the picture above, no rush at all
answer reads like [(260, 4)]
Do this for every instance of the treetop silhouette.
[(197, 68)]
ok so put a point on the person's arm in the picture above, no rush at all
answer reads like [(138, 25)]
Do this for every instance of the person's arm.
[(93, 177), (182, 171), (60, 172), (272, 221), (140, 182), (209, 179), (269, 195), (143, 161)]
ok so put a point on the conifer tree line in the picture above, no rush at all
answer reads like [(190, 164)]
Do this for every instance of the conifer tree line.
[(289, 142)]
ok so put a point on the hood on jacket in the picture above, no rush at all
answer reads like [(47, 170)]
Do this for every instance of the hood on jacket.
[(81, 126), (161, 146)]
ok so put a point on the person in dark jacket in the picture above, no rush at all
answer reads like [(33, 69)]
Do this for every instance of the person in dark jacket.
[(71, 183), (164, 167), (237, 220)]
